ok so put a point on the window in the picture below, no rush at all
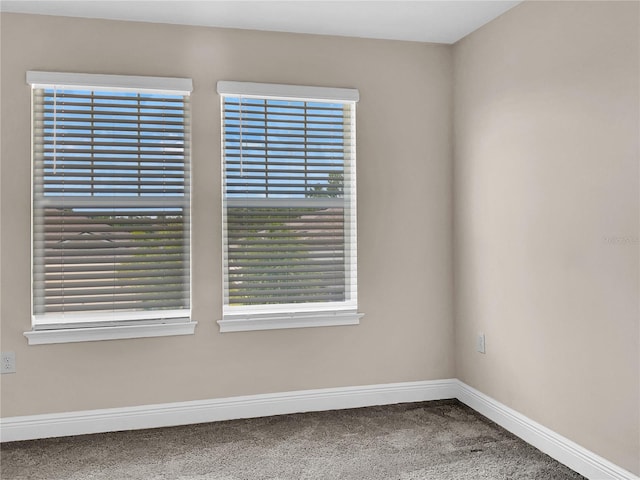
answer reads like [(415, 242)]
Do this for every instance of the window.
[(289, 206), (111, 248)]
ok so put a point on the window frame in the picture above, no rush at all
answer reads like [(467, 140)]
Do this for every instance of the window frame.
[(316, 314), (87, 325)]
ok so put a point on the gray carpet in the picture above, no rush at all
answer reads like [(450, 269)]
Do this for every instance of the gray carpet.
[(442, 440)]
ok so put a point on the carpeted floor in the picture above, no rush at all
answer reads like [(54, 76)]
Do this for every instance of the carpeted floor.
[(442, 440)]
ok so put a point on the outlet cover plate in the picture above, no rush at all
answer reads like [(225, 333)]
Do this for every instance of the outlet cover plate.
[(8, 362)]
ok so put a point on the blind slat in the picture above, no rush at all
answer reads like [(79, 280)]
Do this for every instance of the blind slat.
[(87, 293), (97, 278), (110, 301), (251, 299), (100, 270), (118, 305)]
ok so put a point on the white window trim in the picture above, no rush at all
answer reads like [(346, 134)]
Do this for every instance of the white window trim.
[(172, 85), (244, 322), (275, 317), (116, 332), (293, 92), (88, 326), (108, 319)]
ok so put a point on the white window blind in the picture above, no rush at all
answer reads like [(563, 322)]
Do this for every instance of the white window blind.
[(289, 216), (110, 199)]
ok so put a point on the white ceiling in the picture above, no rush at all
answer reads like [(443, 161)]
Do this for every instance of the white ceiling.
[(422, 21)]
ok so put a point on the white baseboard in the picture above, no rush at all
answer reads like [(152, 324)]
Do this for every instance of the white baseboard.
[(202, 411), (562, 449), (556, 446)]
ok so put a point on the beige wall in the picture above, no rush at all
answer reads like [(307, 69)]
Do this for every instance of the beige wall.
[(404, 200), (546, 218)]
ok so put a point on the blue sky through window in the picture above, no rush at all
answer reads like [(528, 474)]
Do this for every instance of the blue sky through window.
[(283, 148), (113, 143)]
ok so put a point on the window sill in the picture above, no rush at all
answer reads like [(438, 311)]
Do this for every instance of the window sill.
[(247, 323), (115, 332)]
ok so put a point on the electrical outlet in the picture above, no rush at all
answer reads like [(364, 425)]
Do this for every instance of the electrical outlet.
[(480, 346), (8, 362)]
